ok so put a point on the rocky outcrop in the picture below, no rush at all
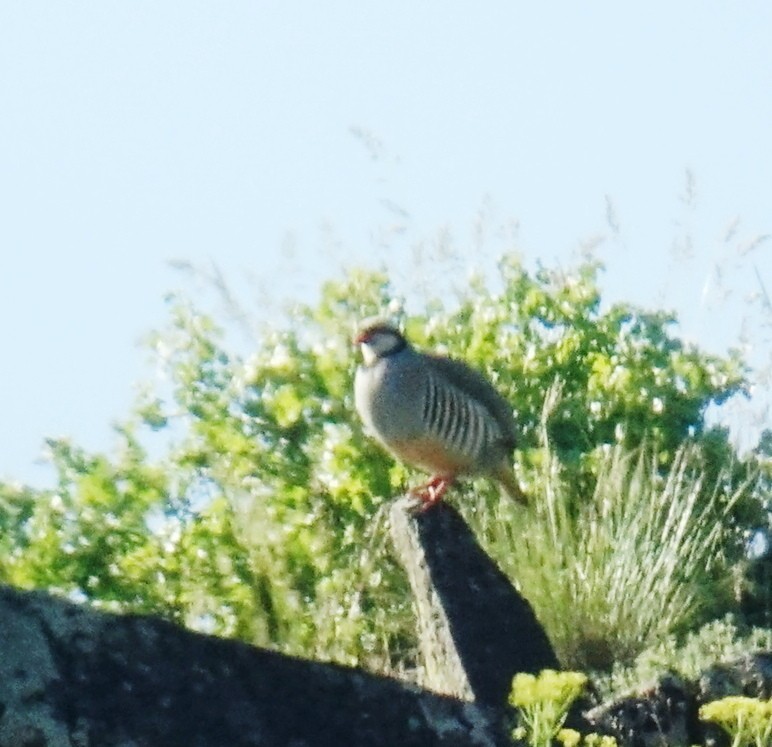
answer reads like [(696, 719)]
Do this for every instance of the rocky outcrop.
[(475, 630), (666, 715), (71, 676)]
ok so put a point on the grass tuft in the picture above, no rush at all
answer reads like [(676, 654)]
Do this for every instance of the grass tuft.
[(612, 572)]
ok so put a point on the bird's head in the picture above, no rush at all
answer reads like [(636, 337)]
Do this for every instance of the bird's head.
[(378, 339)]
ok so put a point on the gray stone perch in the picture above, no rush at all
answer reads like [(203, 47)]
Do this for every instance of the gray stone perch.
[(476, 632)]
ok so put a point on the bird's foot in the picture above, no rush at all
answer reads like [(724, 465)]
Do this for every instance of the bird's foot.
[(431, 493)]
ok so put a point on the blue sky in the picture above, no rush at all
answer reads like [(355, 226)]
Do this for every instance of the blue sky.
[(275, 139)]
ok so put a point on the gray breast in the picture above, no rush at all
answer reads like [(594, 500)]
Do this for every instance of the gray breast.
[(388, 396)]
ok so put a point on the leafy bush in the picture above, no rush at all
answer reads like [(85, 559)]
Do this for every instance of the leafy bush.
[(244, 499)]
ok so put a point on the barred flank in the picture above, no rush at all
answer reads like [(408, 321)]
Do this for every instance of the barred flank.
[(455, 418)]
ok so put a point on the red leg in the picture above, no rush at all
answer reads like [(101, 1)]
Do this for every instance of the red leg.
[(431, 493)]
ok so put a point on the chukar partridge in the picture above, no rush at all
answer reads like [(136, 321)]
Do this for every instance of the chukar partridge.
[(433, 412)]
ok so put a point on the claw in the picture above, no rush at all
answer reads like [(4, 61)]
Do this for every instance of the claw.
[(431, 493)]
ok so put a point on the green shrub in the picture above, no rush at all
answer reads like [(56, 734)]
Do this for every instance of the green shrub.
[(748, 721), (687, 655), (542, 703), (244, 499)]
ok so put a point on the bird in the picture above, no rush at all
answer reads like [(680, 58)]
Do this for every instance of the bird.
[(433, 412)]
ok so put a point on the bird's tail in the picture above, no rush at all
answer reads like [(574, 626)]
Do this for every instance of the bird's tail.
[(506, 476)]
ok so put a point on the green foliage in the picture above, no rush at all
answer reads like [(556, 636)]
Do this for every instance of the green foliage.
[(748, 721), (572, 738), (687, 655), (625, 378), (245, 500), (543, 701), (70, 538)]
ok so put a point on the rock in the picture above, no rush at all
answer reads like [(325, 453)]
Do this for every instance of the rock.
[(71, 676), (660, 717), (667, 715), (475, 630), (750, 675)]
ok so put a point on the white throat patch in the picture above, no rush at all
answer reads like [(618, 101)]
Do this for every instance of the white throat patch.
[(369, 356)]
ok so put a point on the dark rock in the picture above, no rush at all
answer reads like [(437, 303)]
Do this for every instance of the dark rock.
[(751, 675), (663, 716), (667, 715), (72, 676), (475, 630)]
